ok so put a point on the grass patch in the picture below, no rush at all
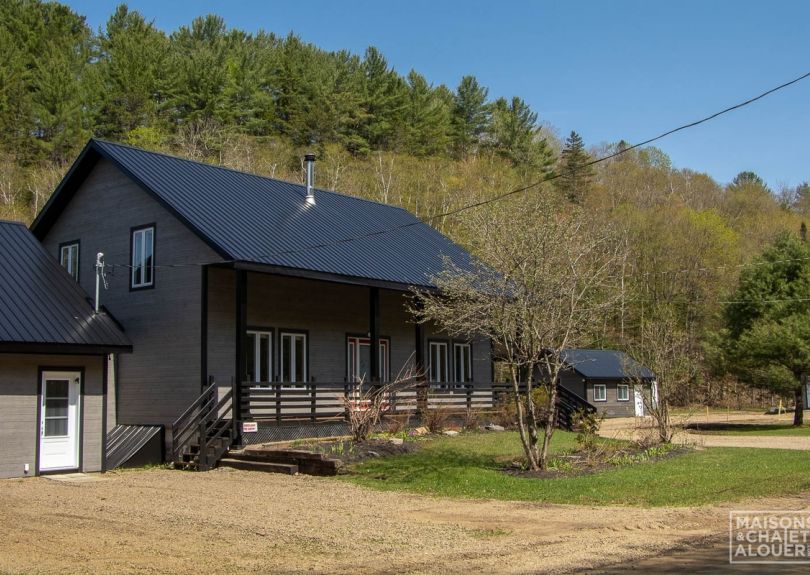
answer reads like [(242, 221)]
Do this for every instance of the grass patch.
[(471, 466), (778, 429)]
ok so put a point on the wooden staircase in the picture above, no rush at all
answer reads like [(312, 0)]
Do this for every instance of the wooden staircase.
[(204, 433), (568, 404)]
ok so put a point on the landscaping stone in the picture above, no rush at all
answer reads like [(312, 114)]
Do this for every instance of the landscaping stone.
[(418, 431), (396, 440), (494, 427), (451, 432)]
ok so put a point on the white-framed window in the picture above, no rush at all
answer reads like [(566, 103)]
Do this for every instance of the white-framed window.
[(623, 392), (600, 392), (293, 357), (69, 258), (259, 353), (143, 257), (462, 362), (439, 371), (358, 359)]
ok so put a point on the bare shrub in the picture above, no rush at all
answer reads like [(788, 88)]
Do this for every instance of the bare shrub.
[(396, 424), (587, 424), (366, 404), (436, 418), (471, 419)]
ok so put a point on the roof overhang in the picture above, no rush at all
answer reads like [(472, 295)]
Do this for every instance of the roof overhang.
[(322, 276), (62, 348)]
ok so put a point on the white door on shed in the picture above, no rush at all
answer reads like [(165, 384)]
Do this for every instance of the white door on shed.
[(59, 425), (638, 396)]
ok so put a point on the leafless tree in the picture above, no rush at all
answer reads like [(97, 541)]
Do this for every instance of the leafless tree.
[(544, 276)]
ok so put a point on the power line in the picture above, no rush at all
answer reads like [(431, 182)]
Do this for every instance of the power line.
[(519, 190)]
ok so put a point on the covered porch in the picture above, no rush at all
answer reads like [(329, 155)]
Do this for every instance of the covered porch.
[(293, 347)]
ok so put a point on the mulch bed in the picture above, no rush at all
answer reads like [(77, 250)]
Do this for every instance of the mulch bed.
[(580, 464), (349, 452)]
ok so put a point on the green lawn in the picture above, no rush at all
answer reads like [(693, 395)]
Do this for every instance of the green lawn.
[(750, 429), (469, 466)]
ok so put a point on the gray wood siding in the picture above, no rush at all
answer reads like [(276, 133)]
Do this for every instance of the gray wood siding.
[(19, 423), (612, 407), (573, 382), (162, 375), (328, 312)]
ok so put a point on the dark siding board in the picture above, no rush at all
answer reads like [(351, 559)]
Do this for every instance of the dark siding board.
[(41, 302), (162, 376), (19, 403), (612, 407)]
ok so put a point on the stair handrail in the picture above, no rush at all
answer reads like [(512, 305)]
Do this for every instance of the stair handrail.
[(185, 426), (211, 421)]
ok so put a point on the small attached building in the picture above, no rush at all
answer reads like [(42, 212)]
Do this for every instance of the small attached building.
[(53, 363), (612, 381)]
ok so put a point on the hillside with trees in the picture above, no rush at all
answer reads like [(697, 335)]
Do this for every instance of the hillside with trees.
[(257, 101)]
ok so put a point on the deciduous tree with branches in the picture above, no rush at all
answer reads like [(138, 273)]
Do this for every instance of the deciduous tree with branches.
[(542, 281)]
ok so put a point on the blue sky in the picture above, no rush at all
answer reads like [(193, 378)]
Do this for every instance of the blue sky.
[(610, 70)]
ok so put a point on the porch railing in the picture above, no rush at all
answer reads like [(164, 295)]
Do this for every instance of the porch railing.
[(322, 402)]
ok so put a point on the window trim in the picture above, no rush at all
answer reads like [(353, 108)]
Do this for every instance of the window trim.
[(272, 349), (78, 245), (385, 374), (604, 390), (132, 232), (469, 346), (448, 370), (627, 388), (307, 379)]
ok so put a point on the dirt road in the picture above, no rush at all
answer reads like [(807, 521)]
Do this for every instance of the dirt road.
[(226, 521)]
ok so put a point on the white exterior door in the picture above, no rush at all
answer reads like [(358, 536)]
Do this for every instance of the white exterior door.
[(638, 396), (59, 425)]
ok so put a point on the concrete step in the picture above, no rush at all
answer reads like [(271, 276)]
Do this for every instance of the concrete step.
[(266, 466)]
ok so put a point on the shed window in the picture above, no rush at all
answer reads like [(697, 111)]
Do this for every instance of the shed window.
[(600, 392), (623, 393), (143, 257), (69, 258)]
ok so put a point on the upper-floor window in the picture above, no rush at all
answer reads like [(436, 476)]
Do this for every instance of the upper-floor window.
[(462, 362), (143, 257), (69, 258)]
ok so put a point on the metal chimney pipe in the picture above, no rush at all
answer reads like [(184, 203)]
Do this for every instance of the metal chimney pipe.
[(309, 160)]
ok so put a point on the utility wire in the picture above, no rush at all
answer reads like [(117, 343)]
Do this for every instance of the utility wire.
[(515, 191)]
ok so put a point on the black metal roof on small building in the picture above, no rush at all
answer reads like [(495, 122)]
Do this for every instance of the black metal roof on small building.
[(41, 308), (606, 364), (259, 220)]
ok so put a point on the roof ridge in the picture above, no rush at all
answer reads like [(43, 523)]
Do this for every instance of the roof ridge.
[(252, 174)]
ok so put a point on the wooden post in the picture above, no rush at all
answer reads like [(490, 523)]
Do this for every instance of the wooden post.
[(374, 333), (241, 349)]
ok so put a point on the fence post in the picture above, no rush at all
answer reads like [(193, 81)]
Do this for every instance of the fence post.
[(313, 403), (278, 403)]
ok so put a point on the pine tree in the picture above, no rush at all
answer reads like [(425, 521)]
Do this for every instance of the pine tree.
[(514, 134), (576, 176), (471, 116)]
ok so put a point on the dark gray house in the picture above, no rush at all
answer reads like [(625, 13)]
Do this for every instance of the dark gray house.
[(267, 288), (612, 381), (54, 349)]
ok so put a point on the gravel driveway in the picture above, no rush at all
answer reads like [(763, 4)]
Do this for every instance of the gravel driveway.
[(630, 427), (228, 521)]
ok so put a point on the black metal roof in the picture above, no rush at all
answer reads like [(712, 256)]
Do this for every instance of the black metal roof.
[(260, 220), (605, 364), (41, 308)]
